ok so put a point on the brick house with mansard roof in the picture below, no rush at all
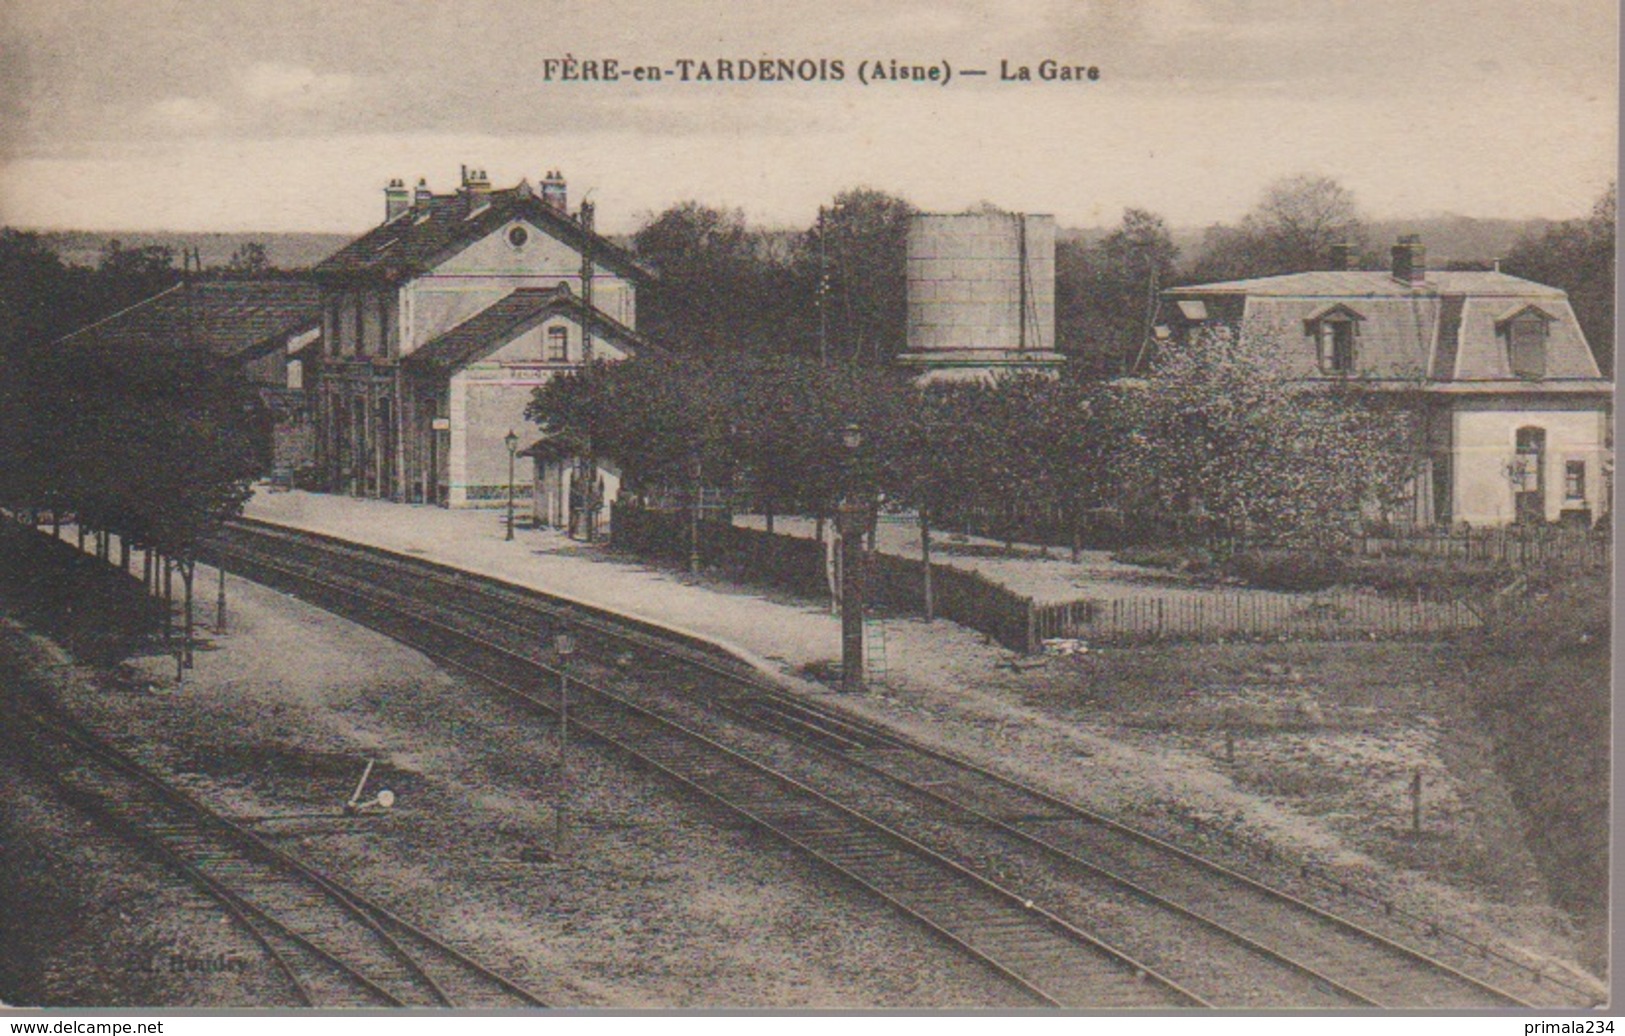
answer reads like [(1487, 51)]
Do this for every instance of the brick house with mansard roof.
[(441, 322), (1518, 415)]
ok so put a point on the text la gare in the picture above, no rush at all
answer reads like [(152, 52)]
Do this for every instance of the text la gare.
[(1048, 71)]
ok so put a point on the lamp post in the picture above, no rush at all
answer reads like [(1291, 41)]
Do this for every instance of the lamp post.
[(694, 504), (851, 517), (563, 643), (513, 444)]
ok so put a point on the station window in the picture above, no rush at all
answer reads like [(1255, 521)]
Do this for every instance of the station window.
[(558, 345)]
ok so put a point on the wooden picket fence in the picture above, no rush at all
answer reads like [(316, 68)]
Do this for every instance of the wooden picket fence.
[(1022, 624), (796, 564), (1531, 546), (1331, 615)]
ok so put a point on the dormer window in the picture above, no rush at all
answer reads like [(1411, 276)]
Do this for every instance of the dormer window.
[(1524, 331), (1335, 331)]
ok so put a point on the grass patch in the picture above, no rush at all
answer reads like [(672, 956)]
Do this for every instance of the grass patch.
[(1538, 677)]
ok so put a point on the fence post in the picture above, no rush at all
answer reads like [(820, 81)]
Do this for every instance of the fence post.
[(1032, 635)]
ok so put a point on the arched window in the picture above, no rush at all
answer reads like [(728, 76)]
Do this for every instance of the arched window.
[(1529, 475)]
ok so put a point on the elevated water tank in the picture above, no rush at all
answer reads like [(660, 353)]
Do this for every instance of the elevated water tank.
[(981, 292)]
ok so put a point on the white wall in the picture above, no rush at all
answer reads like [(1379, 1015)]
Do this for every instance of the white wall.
[(1484, 434), (489, 269)]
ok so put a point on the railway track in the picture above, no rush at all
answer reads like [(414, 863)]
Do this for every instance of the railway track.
[(333, 946), (1103, 885)]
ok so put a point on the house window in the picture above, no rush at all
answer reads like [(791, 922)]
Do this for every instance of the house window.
[(1526, 345), (385, 311), (558, 345), (330, 330), (1528, 473), (1337, 345), (360, 326), (1574, 481)]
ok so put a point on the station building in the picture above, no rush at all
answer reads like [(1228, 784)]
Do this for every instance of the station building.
[(440, 323), (1519, 417), (270, 328)]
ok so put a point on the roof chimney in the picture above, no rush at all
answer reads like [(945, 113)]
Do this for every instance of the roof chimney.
[(476, 189), (1342, 257), (554, 195), (421, 196), (395, 199), (1410, 260)]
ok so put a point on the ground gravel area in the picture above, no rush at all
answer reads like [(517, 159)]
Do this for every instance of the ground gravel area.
[(650, 902), (1325, 740), (1327, 735)]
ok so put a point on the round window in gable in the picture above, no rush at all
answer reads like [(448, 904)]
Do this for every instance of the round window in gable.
[(518, 236)]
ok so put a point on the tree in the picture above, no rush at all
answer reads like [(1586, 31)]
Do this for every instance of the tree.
[(1105, 293), (249, 259), (125, 276), (1222, 433), (718, 287), (1578, 256), (855, 257), (1292, 228)]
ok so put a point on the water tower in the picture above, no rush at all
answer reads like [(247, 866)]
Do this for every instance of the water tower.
[(981, 294)]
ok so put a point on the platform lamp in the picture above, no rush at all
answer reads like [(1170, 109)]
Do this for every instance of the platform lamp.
[(512, 441), (564, 643), (852, 516)]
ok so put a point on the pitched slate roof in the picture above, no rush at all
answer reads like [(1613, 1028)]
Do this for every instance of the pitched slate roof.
[(508, 318), (425, 235), (229, 319), (1444, 328)]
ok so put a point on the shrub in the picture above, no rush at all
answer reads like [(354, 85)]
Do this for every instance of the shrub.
[(1289, 570), (1174, 559)]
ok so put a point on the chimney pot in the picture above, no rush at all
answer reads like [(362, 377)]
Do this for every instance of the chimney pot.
[(1410, 264), (396, 200), (1342, 256), (554, 194)]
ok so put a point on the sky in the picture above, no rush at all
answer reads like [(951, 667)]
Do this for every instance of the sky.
[(245, 115)]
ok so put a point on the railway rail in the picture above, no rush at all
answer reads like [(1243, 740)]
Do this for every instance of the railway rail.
[(887, 834), (333, 946)]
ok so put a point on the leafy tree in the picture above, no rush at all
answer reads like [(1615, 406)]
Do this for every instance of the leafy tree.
[(1224, 433), (855, 257), (249, 259), (1578, 256), (1292, 228), (1105, 292), (719, 289), (125, 276)]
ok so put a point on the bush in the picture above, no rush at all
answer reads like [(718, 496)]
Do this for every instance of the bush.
[(1289, 570), (1173, 559), (1436, 576)]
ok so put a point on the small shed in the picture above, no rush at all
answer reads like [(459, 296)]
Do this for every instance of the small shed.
[(571, 492)]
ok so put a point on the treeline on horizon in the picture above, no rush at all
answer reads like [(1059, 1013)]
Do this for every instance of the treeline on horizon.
[(836, 289)]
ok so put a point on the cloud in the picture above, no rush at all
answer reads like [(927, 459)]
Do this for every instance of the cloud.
[(274, 82), (183, 115)]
